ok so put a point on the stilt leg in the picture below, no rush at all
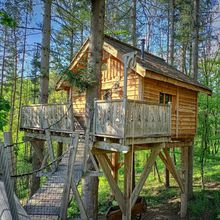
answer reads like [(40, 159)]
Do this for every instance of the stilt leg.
[(185, 169), (128, 165)]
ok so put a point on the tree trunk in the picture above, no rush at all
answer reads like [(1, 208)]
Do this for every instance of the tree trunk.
[(90, 186), (133, 23), (45, 52), (195, 38), (3, 62), (171, 32), (14, 86), (22, 73)]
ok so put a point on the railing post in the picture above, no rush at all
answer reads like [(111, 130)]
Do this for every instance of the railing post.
[(129, 60), (4, 167)]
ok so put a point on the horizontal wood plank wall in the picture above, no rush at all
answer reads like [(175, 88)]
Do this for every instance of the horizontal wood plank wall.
[(187, 112), (113, 80), (187, 106), (79, 102)]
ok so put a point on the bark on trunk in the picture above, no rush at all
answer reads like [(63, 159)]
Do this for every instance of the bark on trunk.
[(133, 23), (195, 39), (171, 32), (90, 186), (45, 52)]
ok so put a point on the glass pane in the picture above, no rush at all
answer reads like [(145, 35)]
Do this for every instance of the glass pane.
[(170, 98), (161, 98), (167, 98)]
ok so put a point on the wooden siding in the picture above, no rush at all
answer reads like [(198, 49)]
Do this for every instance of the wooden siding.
[(112, 80), (79, 102), (184, 105)]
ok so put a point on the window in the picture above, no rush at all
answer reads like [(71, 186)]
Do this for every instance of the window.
[(107, 94), (165, 98)]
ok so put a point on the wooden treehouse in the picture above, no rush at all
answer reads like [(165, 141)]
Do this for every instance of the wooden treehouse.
[(144, 104)]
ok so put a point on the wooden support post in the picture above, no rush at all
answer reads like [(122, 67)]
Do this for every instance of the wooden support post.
[(171, 167), (167, 177), (36, 164), (114, 187), (79, 201), (184, 195), (10, 154), (4, 167), (11, 157), (50, 148), (115, 157), (190, 172), (146, 171), (59, 149), (66, 191), (128, 168)]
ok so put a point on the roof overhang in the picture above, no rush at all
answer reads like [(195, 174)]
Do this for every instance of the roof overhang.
[(139, 69)]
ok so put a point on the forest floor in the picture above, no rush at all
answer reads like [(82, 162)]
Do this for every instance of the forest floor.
[(204, 205)]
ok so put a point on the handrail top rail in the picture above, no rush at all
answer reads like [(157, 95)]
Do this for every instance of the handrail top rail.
[(131, 101), (46, 104)]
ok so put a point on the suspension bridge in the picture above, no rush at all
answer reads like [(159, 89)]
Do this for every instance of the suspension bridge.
[(58, 177)]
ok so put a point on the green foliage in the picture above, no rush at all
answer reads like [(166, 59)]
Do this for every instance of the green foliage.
[(4, 109), (81, 80), (6, 20)]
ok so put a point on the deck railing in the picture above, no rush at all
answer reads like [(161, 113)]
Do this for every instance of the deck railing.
[(57, 117), (140, 119)]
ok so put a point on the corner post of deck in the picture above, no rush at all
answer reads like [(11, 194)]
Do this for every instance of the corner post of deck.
[(128, 169), (185, 178), (4, 167)]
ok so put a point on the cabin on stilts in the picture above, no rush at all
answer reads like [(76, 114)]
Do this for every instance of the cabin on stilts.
[(144, 104)]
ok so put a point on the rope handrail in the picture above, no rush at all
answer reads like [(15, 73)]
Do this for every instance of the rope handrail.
[(42, 168)]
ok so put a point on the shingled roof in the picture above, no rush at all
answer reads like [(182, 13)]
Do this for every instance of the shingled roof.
[(153, 63)]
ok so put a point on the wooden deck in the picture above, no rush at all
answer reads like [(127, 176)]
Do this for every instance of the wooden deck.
[(132, 122), (46, 202)]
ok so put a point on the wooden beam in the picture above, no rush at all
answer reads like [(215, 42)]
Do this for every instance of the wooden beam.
[(109, 162), (146, 172), (177, 112), (190, 171), (126, 215), (115, 165), (178, 144), (172, 168), (39, 136), (114, 187), (184, 195), (50, 149), (174, 174), (114, 147), (79, 201), (146, 140), (66, 190)]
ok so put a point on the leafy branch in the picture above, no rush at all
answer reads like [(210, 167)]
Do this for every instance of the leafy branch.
[(4, 109), (82, 79), (6, 20)]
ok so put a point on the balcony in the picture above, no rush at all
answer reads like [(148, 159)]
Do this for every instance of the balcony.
[(115, 119)]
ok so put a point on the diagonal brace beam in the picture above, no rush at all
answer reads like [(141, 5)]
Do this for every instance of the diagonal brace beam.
[(145, 173), (114, 187), (171, 167)]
